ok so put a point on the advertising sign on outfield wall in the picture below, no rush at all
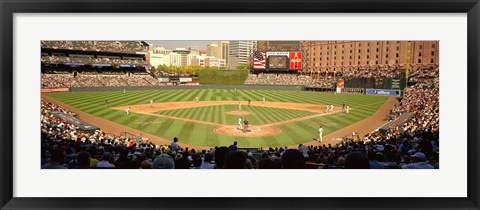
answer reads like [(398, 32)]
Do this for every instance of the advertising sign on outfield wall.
[(185, 79), (381, 92), (192, 83), (164, 79)]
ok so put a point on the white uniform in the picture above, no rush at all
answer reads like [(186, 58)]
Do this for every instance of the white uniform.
[(331, 108), (151, 103), (196, 98), (327, 108), (346, 108), (124, 90), (239, 107), (240, 126), (320, 134), (263, 99), (127, 110)]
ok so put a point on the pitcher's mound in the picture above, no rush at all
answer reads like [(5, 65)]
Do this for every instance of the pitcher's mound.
[(231, 130), (238, 113)]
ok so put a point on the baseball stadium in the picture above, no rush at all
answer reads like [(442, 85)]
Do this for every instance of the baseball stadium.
[(240, 105)]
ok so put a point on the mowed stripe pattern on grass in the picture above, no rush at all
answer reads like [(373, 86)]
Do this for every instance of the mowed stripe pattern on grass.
[(199, 134), (259, 115)]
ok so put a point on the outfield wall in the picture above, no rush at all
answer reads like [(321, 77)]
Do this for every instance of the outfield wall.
[(239, 87)]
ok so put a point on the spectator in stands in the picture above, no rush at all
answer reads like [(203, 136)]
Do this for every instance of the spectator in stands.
[(293, 159), (233, 147), (356, 160), (207, 161), (372, 159), (220, 154), (418, 162), (56, 161), (105, 163), (235, 160), (163, 161), (174, 145), (83, 160)]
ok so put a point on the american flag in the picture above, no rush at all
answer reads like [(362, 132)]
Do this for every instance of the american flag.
[(259, 60)]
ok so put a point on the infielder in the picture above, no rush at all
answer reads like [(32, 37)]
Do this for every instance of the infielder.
[(240, 126), (320, 134), (327, 108), (346, 108), (151, 103), (264, 99), (106, 103), (239, 106), (331, 108), (127, 111), (196, 99)]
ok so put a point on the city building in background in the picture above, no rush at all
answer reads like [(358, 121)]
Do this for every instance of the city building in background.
[(224, 51), (338, 56), (240, 52), (212, 49)]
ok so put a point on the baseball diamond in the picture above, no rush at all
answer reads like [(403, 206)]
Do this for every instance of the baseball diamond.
[(296, 113)]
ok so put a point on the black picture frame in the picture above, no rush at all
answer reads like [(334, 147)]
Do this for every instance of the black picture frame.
[(10, 7)]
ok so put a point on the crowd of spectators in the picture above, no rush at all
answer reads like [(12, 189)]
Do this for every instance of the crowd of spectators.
[(92, 79), (288, 79), (375, 73), (92, 60), (99, 46)]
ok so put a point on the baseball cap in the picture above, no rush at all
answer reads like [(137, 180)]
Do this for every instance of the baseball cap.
[(163, 161)]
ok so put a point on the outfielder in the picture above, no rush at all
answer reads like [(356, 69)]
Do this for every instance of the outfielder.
[(264, 99), (239, 106), (124, 90), (151, 103), (127, 111), (106, 103), (196, 99), (346, 108)]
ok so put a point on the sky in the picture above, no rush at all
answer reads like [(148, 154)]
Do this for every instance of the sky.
[(202, 45)]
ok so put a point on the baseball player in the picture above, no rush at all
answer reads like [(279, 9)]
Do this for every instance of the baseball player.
[(151, 102), (249, 102), (264, 99), (240, 126), (239, 106), (124, 90), (320, 134), (331, 108), (196, 99), (106, 103), (346, 108), (343, 107), (327, 108), (127, 111)]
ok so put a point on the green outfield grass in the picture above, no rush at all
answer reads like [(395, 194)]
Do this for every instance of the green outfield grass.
[(200, 134), (215, 114)]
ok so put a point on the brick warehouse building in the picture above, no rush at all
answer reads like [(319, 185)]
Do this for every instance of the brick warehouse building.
[(339, 56)]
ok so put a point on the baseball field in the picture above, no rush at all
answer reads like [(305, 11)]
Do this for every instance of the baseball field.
[(285, 118)]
